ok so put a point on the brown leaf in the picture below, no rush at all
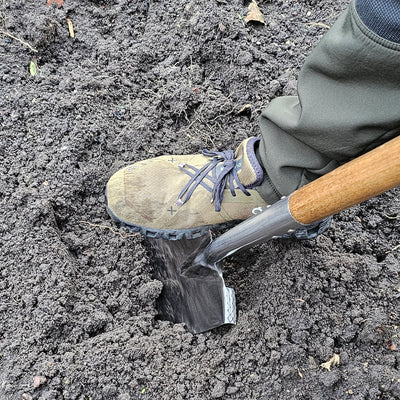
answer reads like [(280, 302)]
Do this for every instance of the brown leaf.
[(254, 13), (71, 28), (58, 2)]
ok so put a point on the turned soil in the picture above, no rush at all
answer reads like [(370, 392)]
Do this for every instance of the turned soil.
[(77, 297)]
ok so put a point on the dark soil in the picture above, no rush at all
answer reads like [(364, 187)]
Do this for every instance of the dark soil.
[(77, 298)]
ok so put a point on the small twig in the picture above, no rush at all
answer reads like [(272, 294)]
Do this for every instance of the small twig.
[(390, 217), (19, 301), (188, 126), (109, 228), (223, 115), (6, 33), (393, 249)]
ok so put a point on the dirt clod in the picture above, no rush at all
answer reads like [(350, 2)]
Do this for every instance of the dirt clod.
[(218, 390), (39, 380)]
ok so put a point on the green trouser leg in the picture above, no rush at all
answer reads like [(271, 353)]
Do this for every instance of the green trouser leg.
[(348, 103)]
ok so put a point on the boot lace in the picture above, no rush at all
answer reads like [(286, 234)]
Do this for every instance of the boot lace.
[(228, 173)]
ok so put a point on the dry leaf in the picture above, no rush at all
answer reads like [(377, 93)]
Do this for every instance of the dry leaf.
[(58, 2), (254, 13), (71, 28), (335, 360)]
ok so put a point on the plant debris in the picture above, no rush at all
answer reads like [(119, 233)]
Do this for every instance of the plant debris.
[(70, 28), (244, 108), (391, 216), (254, 14), (300, 373), (6, 33), (33, 67), (335, 360)]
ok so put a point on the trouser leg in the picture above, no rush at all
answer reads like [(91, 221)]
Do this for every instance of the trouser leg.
[(348, 100)]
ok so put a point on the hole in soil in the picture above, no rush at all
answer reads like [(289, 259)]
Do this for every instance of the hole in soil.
[(97, 332), (381, 257)]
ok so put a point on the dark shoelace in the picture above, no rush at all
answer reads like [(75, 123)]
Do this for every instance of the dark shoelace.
[(228, 171)]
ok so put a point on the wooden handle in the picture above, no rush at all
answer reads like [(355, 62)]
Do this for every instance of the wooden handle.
[(356, 181)]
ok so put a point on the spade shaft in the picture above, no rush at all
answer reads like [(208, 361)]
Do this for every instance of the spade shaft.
[(354, 182)]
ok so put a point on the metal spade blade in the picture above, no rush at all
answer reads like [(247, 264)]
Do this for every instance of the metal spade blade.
[(192, 293)]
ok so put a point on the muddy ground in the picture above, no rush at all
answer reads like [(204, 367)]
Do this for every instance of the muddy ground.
[(77, 298)]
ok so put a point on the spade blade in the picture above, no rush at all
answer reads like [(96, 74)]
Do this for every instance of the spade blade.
[(192, 293)]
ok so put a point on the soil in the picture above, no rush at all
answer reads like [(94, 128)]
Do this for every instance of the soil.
[(77, 309)]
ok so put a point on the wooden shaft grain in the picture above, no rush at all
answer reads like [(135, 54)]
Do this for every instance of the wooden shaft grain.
[(352, 183)]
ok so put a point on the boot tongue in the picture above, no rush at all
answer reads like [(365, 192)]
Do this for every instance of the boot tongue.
[(247, 166)]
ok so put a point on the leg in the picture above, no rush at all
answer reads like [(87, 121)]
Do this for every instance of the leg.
[(348, 100)]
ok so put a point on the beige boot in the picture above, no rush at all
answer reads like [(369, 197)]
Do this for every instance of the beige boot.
[(176, 196)]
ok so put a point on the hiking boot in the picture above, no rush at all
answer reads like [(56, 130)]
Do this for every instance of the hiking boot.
[(176, 196)]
